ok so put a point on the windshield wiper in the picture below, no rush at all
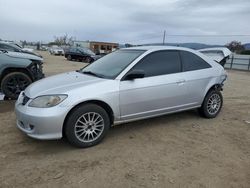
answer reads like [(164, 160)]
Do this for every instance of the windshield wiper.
[(92, 73)]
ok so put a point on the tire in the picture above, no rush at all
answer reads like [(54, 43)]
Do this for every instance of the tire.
[(88, 60), (69, 58), (79, 131), (212, 104), (13, 83)]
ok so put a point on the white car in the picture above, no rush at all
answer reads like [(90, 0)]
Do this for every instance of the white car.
[(125, 85), (56, 51)]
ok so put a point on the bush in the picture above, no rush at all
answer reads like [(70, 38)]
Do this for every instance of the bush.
[(245, 52)]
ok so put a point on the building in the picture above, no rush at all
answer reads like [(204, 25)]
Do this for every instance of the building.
[(97, 47)]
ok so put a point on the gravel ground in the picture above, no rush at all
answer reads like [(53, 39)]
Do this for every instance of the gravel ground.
[(179, 150)]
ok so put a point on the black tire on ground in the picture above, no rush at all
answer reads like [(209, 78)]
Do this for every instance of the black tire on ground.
[(79, 125), (212, 104), (13, 83), (88, 60), (69, 58)]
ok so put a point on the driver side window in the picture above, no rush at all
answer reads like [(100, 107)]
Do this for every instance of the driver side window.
[(160, 63)]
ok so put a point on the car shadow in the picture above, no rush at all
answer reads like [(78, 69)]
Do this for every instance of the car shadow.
[(164, 120)]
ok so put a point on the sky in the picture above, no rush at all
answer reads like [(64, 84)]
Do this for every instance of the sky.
[(127, 21)]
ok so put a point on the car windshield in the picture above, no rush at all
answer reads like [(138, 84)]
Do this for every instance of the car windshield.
[(112, 64), (86, 50)]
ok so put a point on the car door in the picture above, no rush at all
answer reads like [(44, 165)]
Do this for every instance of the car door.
[(196, 75), (160, 91)]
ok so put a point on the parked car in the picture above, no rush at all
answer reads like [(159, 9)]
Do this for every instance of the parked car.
[(126, 85), (17, 73), (81, 54), (55, 50), (44, 48), (220, 55), (11, 47)]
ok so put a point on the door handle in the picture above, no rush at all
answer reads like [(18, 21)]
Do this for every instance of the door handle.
[(181, 81)]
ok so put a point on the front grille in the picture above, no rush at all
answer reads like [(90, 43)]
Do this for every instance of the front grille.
[(25, 99)]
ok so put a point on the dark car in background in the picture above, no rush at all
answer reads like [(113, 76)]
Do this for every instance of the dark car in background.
[(81, 54), (16, 73)]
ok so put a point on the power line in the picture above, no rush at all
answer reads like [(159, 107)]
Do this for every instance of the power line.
[(147, 38), (211, 35)]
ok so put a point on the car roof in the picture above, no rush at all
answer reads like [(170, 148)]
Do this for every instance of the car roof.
[(155, 48), (150, 49)]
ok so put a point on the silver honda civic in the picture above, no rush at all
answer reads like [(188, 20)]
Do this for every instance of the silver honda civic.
[(127, 85)]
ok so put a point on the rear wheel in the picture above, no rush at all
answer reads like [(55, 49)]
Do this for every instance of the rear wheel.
[(13, 83), (212, 104), (87, 125), (69, 57)]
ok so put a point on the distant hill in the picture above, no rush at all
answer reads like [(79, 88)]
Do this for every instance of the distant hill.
[(247, 46)]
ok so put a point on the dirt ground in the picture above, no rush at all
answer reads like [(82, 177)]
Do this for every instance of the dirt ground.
[(179, 150)]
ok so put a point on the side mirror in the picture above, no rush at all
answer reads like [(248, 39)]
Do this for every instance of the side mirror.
[(135, 74)]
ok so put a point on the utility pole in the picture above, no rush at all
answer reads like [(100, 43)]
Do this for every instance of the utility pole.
[(164, 36)]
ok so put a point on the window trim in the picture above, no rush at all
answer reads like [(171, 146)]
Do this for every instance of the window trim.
[(176, 50)]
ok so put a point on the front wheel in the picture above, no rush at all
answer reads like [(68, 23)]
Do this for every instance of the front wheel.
[(13, 83), (87, 125), (212, 104)]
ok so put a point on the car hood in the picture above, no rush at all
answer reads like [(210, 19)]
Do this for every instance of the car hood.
[(60, 84), (24, 56)]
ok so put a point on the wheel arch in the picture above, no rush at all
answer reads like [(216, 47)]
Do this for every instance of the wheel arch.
[(216, 86), (100, 103)]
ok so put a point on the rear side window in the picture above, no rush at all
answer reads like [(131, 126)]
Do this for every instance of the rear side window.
[(191, 61), (160, 63)]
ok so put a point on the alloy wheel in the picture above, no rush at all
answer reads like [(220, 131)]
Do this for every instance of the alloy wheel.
[(16, 84), (89, 127), (213, 104)]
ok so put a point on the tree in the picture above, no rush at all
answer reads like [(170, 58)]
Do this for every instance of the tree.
[(235, 46), (62, 40), (24, 43)]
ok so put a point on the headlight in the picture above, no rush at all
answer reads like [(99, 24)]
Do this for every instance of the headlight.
[(47, 101)]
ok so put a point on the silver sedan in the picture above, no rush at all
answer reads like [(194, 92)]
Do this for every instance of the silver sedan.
[(126, 85)]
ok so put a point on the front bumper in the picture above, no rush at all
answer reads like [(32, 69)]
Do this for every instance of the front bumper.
[(40, 123), (59, 53)]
